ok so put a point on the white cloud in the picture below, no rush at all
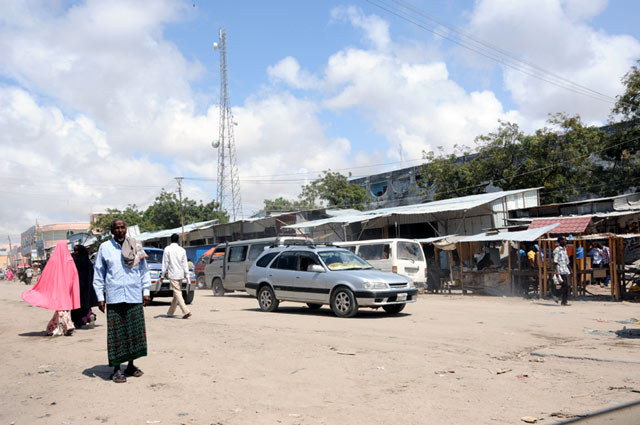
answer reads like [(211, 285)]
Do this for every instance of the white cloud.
[(554, 35), (375, 29), (288, 70)]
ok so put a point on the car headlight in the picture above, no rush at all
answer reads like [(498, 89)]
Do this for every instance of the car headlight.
[(154, 274), (411, 284), (376, 285)]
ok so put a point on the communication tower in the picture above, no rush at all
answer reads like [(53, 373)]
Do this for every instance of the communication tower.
[(228, 184)]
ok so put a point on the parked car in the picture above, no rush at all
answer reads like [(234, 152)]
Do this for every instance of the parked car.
[(161, 287), (402, 256), (319, 275), (199, 268), (229, 263)]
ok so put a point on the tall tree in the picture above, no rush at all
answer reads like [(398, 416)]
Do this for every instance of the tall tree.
[(131, 214), (164, 213), (283, 204), (335, 189), (628, 104)]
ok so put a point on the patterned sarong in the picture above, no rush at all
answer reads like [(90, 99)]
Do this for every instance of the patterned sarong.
[(126, 333)]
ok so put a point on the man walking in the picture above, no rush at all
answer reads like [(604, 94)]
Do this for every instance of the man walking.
[(122, 279), (561, 260), (176, 268)]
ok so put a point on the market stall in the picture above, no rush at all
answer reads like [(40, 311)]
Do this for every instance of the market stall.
[(487, 260)]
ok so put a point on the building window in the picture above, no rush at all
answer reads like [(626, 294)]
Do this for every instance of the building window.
[(379, 189)]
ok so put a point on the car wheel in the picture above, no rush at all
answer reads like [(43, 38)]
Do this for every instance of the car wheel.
[(393, 308), (313, 306), (343, 303), (202, 282), (216, 286), (267, 299), (188, 297)]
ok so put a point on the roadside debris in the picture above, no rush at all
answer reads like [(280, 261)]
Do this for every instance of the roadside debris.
[(501, 371), (631, 321), (522, 377), (565, 415), (529, 419), (444, 372), (627, 388)]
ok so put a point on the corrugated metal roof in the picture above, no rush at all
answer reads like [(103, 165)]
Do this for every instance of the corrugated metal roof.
[(520, 236), (168, 232), (453, 204), (567, 224)]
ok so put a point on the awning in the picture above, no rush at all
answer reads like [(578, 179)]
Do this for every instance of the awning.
[(529, 235), (168, 232), (568, 225), (454, 204)]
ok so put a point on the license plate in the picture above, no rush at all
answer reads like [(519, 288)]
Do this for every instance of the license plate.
[(401, 297)]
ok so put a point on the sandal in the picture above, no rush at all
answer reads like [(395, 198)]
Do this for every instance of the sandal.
[(136, 372), (118, 377)]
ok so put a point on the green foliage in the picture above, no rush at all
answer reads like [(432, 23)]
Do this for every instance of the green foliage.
[(282, 204), (131, 214), (559, 159), (334, 188), (628, 104), (164, 213)]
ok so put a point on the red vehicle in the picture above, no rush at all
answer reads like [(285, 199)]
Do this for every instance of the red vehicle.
[(202, 262)]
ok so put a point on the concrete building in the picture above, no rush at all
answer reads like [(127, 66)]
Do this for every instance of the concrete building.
[(38, 241)]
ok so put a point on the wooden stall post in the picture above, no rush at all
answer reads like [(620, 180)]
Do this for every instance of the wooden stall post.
[(460, 246), (544, 267), (451, 270), (575, 275), (613, 281), (509, 265), (539, 263)]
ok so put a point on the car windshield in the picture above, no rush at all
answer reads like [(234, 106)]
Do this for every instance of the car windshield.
[(154, 256), (343, 260)]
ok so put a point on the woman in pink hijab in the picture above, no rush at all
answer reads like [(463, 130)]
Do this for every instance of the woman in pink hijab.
[(57, 289)]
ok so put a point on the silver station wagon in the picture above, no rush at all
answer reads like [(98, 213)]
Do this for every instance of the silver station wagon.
[(319, 275)]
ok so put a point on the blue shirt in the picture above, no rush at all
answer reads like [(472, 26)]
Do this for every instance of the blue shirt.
[(120, 283)]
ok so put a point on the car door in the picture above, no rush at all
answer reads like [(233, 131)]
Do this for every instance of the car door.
[(235, 272), (282, 275), (310, 286)]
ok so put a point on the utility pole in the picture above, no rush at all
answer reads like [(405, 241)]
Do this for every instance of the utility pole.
[(179, 180), (10, 249)]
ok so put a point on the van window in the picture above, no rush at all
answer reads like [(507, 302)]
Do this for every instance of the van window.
[(256, 250), (287, 261), (380, 251), (266, 259), (409, 251), (238, 253)]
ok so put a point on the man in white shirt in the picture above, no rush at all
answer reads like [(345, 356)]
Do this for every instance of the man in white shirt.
[(176, 268)]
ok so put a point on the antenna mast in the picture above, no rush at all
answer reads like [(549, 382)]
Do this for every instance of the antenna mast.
[(228, 190)]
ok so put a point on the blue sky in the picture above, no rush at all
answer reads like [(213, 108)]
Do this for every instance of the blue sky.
[(103, 103)]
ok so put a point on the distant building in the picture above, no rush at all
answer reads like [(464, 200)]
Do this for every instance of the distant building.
[(395, 188), (38, 241)]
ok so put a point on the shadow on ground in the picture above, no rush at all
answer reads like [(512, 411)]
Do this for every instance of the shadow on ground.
[(99, 371), (35, 333)]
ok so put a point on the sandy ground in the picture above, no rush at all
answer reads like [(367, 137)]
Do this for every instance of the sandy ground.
[(448, 359)]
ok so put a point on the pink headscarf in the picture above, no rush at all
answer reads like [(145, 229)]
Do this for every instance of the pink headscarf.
[(57, 288)]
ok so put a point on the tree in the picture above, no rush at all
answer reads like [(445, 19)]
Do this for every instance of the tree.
[(334, 188), (628, 104), (560, 158), (131, 214), (164, 213), (283, 204)]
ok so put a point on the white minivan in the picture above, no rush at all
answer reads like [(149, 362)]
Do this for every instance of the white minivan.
[(402, 256), (227, 270)]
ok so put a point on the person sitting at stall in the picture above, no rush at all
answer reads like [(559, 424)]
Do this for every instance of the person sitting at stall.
[(485, 262)]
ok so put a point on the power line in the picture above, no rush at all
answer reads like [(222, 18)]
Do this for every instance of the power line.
[(487, 50)]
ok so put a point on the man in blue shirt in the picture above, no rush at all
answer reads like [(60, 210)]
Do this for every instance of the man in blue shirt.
[(122, 286)]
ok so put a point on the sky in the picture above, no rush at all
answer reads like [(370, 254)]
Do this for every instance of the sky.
[(103, 103)]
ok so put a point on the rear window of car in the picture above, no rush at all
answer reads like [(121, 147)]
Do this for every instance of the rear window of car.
[(410, 251), (266, 259), (154, 256)]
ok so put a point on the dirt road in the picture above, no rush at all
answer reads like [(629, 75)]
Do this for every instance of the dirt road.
[(445, 360)]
